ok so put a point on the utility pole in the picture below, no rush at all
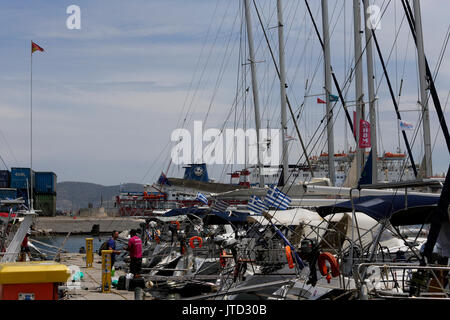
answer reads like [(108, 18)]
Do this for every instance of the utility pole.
[(371, 90), (423, 93), (329, 110), (254, 88), (282, 91)]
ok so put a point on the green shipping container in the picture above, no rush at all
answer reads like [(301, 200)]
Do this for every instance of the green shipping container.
[(46, 203)]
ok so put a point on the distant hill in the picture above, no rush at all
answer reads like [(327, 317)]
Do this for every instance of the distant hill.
[(76, 195)]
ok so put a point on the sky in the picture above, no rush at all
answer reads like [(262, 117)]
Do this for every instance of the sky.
[(107, 96)]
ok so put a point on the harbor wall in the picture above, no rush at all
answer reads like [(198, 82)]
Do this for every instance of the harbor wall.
[(84, 225)]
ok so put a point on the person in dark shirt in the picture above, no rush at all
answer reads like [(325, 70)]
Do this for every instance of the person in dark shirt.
[(112, 246)]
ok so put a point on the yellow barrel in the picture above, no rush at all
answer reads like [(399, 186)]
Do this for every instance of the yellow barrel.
[(89, 252), (106, 270)]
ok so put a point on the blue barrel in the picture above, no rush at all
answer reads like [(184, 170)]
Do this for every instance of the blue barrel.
[(21, 178), (45, 182)]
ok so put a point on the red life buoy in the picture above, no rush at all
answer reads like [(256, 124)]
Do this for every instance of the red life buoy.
[(191, 242), (289, 257), (323, 268)]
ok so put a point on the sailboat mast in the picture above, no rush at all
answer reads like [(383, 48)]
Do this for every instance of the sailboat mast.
[(254, 89), (283, 91), (371, 91), (423, 94), (358, 84), (31, 128), (329, 110)]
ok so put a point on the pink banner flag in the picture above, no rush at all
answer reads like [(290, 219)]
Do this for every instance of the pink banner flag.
[(364, 134)]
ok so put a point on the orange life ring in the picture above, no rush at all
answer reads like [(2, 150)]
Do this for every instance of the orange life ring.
[(191, 242), (289, 257), (326, 256), (223, 261), (177, 223)]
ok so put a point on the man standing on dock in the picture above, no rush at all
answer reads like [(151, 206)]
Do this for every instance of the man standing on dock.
[(112, 246), (135, 249)]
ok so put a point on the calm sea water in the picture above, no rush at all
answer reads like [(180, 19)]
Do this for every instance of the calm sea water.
[(73, 243)]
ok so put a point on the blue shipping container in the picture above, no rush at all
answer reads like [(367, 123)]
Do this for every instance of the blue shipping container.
[(21, 178), (5, 178), (45, 182), (8, 194)]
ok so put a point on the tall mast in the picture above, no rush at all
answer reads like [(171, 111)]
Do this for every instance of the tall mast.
[(329, 111), (358, 83), (423, 86), (371, 90), (254, 88), (31, 129), (283, 91)]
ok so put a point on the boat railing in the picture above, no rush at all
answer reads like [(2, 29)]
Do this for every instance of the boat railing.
[(402, 281)]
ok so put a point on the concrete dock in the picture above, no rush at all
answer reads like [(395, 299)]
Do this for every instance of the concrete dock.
[(89, 287), (83, 225)]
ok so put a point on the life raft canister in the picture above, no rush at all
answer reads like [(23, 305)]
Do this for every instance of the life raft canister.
[(289, 257), (323, 258), (199, 239)]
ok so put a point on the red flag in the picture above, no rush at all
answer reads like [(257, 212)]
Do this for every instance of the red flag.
[(320, 100), (35, 47), (364, 134)]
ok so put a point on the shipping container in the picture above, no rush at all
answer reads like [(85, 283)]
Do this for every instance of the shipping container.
[(5, 179), (23, 193), (21, 178), (8, 193), (45, 182), (46, 203)]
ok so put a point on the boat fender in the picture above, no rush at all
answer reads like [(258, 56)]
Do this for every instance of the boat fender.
[(289, 257), (199, 239), (323, 268)]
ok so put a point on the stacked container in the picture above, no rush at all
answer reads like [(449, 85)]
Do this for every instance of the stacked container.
[(21, 180), (45, 193)]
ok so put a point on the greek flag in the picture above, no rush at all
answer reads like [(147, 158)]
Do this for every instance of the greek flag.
[(220, 205), (405, 125), (201, 197), (256, 205), (277, 199)]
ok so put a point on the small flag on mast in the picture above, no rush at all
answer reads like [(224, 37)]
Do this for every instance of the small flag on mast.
[(277, 199), (405, 125), (256, 205), (220, 205), (201, 197), (320, 100), (35, 47)]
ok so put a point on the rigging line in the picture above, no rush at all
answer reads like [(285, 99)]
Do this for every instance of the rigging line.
[(287, 99), (9, 147), (436, 101), (198, 63), (207, 62), (222, 69)]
